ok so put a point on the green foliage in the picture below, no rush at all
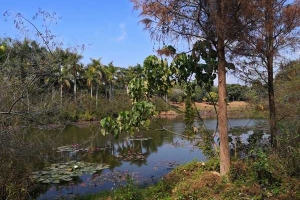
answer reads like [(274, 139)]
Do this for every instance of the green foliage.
[(198, 94), (176, 94), (189, 115), (289, 143), (211, 97), (138, 89), (157, 73), (261, 167), (287, 83), (84, 109), (236, 92), (129, 121), (161, 105), (249, 179), (206, 142), (128, 192)]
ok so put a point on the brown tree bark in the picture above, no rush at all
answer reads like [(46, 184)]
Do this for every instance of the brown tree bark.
[(272, 107), (222, 114), (269, 25), (216, 21)]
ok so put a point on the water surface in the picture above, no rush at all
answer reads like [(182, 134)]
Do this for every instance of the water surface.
[(144, 160)]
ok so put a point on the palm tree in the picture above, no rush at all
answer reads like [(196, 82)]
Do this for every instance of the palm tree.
[(111, 71), (99, 75), (130, 73), (69, 68), (75, 68), (89, 74)]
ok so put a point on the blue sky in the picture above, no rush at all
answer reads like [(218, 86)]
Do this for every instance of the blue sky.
[(109, 29)]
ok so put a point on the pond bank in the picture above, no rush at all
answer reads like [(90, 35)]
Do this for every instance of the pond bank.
[(235, 109), (198, 180)]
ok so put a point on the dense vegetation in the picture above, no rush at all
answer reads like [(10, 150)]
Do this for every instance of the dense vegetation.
[(48, 86), (257, 171)]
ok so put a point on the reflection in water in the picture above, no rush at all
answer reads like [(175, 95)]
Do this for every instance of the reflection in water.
[(152, 155)]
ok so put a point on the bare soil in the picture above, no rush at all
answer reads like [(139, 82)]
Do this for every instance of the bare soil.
[(236, 109)]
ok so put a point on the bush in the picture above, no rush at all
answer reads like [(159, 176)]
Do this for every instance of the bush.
[(18, 159), (176, 95)]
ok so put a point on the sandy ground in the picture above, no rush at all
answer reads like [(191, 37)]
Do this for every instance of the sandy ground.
[(206, 106), (235, 109)]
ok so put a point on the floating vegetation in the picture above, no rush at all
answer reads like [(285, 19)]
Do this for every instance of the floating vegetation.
[(76, 148), (139, 139), (133, 156), (65, 172)]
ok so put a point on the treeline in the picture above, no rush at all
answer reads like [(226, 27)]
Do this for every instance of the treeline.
[(32, 75), (42, 86), (235, 92)]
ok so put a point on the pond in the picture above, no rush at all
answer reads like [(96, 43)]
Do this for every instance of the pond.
[(146, 158)]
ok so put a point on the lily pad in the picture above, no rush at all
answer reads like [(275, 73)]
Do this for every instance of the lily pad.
[(60, 172)]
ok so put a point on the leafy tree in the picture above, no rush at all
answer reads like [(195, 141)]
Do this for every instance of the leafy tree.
[(287, 91), (90, 75), (198, 94), (211, 97), (236, 92), (176, 94), (68, 62), (208, 21), (76, 68), (111, 72), (287, 86), (96, 73), (157, 79), (276, 30)]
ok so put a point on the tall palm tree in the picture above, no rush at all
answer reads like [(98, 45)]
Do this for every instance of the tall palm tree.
[(90, 74), (111, 71), (99, 75), (69, 68), (75, 68)]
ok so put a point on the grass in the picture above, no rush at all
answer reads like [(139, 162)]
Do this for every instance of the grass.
[(248, 179)]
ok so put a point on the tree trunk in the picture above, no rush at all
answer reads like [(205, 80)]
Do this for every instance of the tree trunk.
[(75, 87), (110, 92), (106, 96), (53, 93), (270, 58), (28, 102), (222, 115), (272, 108), (61, 93), (97, 88), (91, 91)]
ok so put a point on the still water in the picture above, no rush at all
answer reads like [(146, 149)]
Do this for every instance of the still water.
[(152, 155)]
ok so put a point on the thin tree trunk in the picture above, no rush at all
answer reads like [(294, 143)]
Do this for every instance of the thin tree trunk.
[(270, 58), (110, 91), (28, 102), (106, 91), (272, 108), (91, 91), (222, 115), (61, 93), (53, 93), (97, 88), (75, 87)]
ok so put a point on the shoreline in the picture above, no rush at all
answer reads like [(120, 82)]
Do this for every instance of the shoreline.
[(235, 110)]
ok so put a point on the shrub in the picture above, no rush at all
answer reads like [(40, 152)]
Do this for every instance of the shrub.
[(176, 95)]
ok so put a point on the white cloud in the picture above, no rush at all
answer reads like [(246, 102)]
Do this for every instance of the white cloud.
[(123, 35)]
